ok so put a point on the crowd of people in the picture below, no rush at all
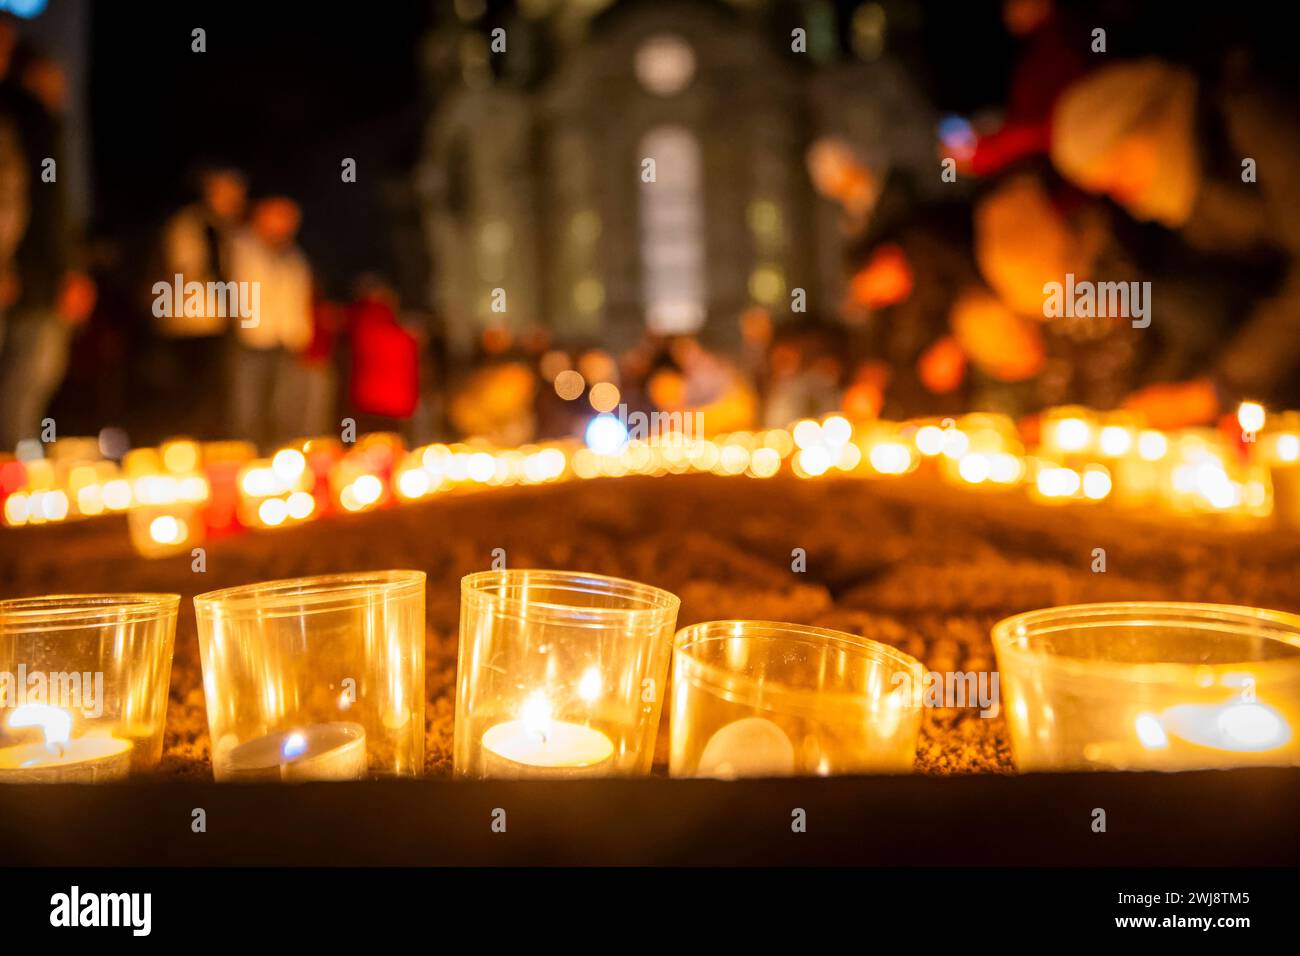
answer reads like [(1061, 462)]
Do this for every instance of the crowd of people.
[(247, 348), (261, 359), (44, 293), (1102, 171), (269, 345), (1169, 178)]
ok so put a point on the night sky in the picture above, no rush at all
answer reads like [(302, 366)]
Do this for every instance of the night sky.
[(284, 91)]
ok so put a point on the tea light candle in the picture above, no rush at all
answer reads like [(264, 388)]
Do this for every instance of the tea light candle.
[(556, 674), (538, 747), (1069, 432), (1191, 736), (1278, 449), (766, 699), (1150, 686), (1239, 726), (333, 751), (61, 758)]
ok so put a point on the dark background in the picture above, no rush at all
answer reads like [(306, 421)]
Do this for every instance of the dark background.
[(286, 90)]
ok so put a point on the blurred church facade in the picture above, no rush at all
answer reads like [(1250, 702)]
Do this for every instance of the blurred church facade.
[(640, 166)]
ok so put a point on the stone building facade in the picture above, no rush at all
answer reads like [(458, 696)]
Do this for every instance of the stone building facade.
[(650, 177)]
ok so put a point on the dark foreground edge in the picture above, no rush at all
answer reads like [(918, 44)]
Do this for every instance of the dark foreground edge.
[(1216, 818)]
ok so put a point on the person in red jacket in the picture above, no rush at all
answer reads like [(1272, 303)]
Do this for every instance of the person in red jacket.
[(1053, 54), (385, 381)]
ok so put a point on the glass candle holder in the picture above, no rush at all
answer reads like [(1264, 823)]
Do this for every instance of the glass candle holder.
[(561, 674), (83, 685), (980, 451), (1150, 686), (1069, 433), (1278, 449), (159, 531), (315, 678), (754, 698)]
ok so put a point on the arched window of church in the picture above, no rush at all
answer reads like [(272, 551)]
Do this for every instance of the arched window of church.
[(672, 232)]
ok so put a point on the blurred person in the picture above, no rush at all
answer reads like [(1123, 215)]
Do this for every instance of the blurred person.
[(314, 369), (13, 215), (1032, 230), (196, 247), (95, 390), (884, 280), (804, 375), (712, 385), (1128, 132), (756, 330), (497, 402), (864, 398), (1023, 240), (48, 297), (9, 39), (197, 239), (942, 366), (14, 178), (564, 415), (266, 389), (997, 340), (839, 175), (905, 275), (1170, 149), (430, 420), (1051, 57), (384, 387), (563, 405)]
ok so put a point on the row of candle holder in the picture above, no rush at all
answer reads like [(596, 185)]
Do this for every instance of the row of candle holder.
[(561, 676), (181, 493)]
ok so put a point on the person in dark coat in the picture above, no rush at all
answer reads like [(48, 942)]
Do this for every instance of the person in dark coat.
[(50, 299)]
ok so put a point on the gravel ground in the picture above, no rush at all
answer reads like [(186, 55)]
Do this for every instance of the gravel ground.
[(908, 562)]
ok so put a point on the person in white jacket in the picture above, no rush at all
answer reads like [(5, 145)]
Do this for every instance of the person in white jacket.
[(264, 386), (193, 341)]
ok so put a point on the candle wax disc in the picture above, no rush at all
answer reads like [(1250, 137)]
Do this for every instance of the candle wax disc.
[(1240, 727), (91, 759), (333, 751), (750, 747), (565, 745)]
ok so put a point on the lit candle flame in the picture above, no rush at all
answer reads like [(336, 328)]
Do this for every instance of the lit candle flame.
[(56, 724), (1073, 434), (536, 715), (1250, 416), (1241, 726), (589, 686), (294, 746), (1252, 726), (1150, 732)]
